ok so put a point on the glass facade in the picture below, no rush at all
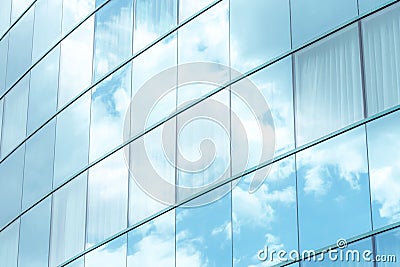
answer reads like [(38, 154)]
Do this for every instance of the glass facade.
[(130, 134)]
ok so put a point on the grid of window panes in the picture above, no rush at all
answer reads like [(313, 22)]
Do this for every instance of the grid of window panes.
[(68, 69)]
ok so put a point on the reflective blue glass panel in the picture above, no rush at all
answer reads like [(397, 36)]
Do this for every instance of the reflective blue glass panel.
[(333, 185)]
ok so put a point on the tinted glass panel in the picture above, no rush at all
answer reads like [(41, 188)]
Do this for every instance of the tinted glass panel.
[(204, 234), (252, 43), (39, 159), (188, 8), (107, 199), (11, 174), (110, 101), (72, 139), (19, 54), (47, 27), (34, 236), (110, 254), (9, 245), (14, 120), (74, 11), (381, 39), (328, 86), (152, 19), (113, 36), (76, 62), (311, 18), (160, 231), (332, 185), (5, 13), (40, 111), (68, 220), (388, 249), (3, 63), (266, 217), (369, 5), (384, 156)]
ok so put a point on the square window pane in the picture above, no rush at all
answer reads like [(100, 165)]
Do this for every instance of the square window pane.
[(328, 86), (332, 186), (311, 18), (384, 156), (381, 39)]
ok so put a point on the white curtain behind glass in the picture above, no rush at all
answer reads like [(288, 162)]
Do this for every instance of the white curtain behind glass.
[(381, 38), (328, 86)]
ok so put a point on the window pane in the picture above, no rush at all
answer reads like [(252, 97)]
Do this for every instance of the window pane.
[(20, 44), (14, 121), (18, 7), (5, 13), (113, 36), (207, 37), (76, 62), (110, 254), (328, 86), (251, 42), (381, 38), (34, 236), (384, 156), (188, 8), (333, 185), (274, 86), (266, 217), (11, 175), (47, 27), (204, 234), (9, 245), (3, 63), (39, 161), (40, 111), (142, 240), (369, 5), (75, 11), (110, 101), (388, 244), (1, 119), (107, 199), (72, 139), (68, 220), (152, 19), (311, 18)]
